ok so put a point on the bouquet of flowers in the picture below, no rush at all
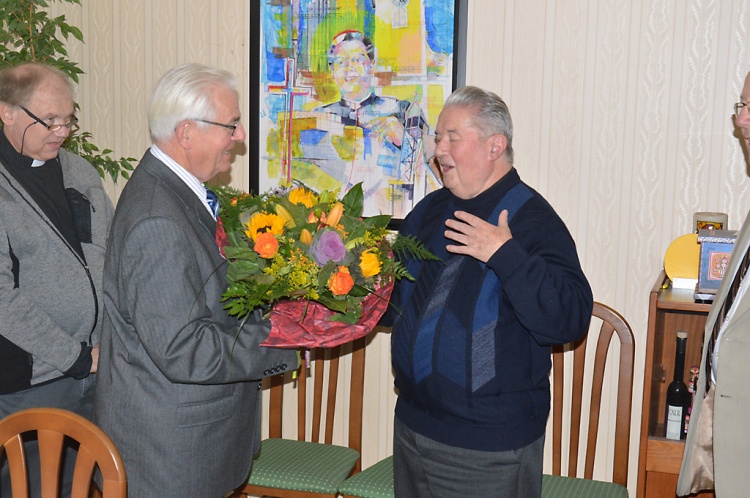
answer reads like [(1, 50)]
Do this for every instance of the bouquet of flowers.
[(326, 272)]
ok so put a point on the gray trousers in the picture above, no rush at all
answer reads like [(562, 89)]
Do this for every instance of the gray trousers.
[(424, 468), (66, 393)]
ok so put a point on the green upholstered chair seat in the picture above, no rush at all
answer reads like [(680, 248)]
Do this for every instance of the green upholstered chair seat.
[(377, 482), (572, 487), (302, 465), (373, 482)]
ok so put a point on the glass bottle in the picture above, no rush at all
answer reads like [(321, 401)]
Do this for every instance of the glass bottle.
[(678, 397)]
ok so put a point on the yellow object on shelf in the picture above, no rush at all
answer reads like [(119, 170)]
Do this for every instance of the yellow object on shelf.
[(682, 259)]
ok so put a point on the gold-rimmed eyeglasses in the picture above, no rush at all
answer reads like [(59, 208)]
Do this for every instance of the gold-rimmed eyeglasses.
[(71, 124)]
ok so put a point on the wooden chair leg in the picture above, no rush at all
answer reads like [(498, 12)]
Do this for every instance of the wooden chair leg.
[(237, 493)]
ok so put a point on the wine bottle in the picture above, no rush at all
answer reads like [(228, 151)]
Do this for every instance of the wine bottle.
[(678, 397)]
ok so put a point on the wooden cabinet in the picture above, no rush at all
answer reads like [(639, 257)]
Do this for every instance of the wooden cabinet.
[(670, 310)]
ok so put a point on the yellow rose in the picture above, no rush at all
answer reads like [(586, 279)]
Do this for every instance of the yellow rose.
[(369, 263), (341, 282), (301, 195), (266, 245)]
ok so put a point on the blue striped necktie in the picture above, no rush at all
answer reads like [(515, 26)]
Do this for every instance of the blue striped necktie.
[(213, 202)]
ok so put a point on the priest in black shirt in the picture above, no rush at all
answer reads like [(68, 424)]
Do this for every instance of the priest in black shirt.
[(54, 220)]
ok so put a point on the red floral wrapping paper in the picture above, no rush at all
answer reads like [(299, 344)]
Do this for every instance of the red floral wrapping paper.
[(305, 324), (221, 237)]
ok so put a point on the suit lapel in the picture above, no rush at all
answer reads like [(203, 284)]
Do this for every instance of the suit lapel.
[(195, 212), (740, 247), (741, 307)]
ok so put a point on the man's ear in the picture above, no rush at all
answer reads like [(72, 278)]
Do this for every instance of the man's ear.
[(7, 113), (499, 144), (184, 132)]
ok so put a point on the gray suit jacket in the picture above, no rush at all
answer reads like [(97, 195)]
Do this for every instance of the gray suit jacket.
[(178, 388), (731, 437)]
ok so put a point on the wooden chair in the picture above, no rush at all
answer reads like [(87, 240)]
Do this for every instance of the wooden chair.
[(311, 466), (613, 325), (377, 481), (53, 426)]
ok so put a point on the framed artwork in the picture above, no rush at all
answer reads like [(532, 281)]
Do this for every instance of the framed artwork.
[(349, 91)]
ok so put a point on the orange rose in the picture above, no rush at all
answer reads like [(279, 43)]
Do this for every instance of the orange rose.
[(341, 282), (266, 245)]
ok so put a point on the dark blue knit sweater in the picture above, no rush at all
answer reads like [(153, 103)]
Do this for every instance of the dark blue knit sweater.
[(471, 341)]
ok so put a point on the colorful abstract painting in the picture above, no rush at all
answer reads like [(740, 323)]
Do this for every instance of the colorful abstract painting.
[(350, 92)]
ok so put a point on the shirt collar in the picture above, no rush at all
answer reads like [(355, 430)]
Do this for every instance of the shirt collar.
[(187, 177)]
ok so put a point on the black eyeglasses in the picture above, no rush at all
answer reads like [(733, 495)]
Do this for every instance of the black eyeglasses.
[(72, 124), (232, 127)]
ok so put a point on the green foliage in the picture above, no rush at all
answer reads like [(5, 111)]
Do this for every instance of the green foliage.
[(354, 201), (408, 245), (29, 34), (81, 144)]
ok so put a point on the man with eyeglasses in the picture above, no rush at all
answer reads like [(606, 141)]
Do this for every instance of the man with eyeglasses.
[(179, 379), (351, 60), (717, 449), (54, 219), (374, 129)]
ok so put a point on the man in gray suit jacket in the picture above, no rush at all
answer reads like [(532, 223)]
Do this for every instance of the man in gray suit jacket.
[(717, 450), (179, 379)]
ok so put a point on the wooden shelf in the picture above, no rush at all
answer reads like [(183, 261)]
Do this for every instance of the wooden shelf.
[(670, 310)]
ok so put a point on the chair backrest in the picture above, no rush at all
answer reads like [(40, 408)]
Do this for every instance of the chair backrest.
[(613, 325), (52, 426), (324, 373)]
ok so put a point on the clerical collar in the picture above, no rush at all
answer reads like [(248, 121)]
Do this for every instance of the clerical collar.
[(10, 155), (356, 105)]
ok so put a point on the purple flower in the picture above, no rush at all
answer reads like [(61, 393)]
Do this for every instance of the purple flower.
[(327, 246)]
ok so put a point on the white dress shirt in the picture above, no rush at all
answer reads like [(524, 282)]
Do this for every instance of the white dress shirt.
[(184, 175)]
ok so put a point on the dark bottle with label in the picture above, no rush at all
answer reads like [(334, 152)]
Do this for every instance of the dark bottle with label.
[(678, 397)]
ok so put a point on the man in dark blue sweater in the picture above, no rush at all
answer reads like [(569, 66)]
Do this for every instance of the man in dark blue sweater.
[(472, 335)]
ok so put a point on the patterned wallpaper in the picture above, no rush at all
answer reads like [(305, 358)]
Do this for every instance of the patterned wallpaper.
[(130, 44), (622, 116)]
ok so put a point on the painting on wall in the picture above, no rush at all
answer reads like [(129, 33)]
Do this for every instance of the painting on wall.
[(349, 92)]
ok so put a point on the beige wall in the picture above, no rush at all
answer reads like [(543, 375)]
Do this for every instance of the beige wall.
[(130, 44), (622, 117)]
